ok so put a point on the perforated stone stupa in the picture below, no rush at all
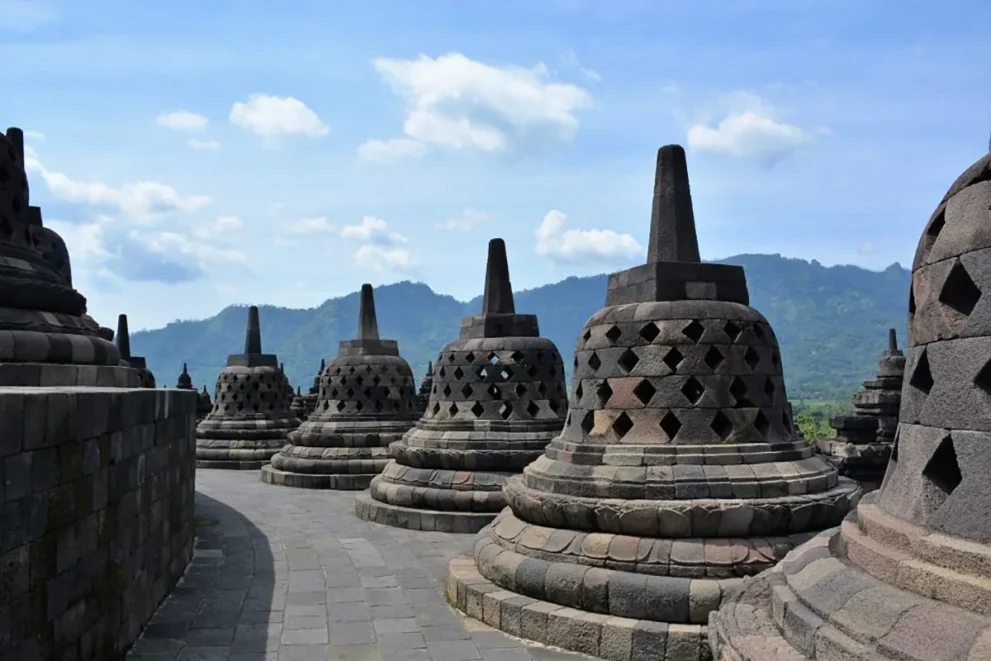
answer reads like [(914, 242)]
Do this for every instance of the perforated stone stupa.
[(367, 401), (184, 382), (498, 397), (297, 408), (863, 440), (250, 416), (203, 405), (678, 470), (908, 575), (46, 337), (423, 394)]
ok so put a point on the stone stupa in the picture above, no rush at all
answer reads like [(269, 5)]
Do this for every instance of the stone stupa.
[(297, 409), (138, 363), (46, 337), (906, 577), (184, 382), (426, 387), (863, 440), (367, 401), (498, 397), (311, 397), (204, 405), (678, 470), (250, 416)]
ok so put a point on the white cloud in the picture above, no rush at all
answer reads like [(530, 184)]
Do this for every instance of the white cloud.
[(390, 151), (143, 202), (34, 135), (182, 120), (866, 248), (749, 130), (310, 226), (454, 102), (203, 144), (559, 244), (277, 116), (373, 230), (468, 220), (221, 228), (380, 258)]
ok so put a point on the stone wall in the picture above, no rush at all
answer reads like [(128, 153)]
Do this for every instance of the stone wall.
[(96, 516)]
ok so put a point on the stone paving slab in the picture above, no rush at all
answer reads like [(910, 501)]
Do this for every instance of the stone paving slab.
[(281, 574)]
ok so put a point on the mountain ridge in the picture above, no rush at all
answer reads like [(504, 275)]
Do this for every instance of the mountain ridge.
[(831, 322)]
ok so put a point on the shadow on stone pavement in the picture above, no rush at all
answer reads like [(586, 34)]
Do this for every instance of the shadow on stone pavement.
[(282, 574)]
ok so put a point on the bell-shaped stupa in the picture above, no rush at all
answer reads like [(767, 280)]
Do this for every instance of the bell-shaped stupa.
[(367, 401), (250, 416), (297, 408), (426, 386), (204, 405), (678, 470), (863, 440), (126, 359), (498, 397), (184, 382), (310, 398), (906, 577), (46, 337)]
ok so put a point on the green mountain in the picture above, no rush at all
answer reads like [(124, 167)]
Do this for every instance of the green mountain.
[(831, 322)]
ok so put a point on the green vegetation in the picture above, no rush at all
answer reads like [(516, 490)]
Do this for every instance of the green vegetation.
[(831, 323), (812, 416)]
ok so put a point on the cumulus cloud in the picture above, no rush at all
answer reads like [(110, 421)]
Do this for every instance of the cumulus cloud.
[(203, 144), (382, 249), (310, 226), (749, 129), (468, 220), (560, 244), (182, 120), (273, 117), (118, 235), (456, 103)]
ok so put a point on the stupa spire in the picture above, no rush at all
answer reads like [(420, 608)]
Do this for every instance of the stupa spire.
[(123, 337), (253, 337), (16, 138), (893, 343), (368, 326), (498, 289), (672, 222)]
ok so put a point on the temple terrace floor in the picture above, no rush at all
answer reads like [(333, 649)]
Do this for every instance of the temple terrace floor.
[(283, 574)]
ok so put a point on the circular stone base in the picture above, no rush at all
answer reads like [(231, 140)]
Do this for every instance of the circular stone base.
[(338, 481), (369, 509), (229, 464), (604, 636)]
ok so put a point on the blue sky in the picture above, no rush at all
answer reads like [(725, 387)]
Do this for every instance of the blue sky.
[(195, 154)]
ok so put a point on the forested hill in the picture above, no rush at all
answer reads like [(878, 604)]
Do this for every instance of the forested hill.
[(831, 322)]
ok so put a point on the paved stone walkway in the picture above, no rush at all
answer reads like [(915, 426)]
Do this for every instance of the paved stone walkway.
[(282, 574)]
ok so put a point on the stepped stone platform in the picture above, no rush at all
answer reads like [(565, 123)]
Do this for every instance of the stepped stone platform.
[(863, 440), (96, 472), (678, 471), (907, 576), (366, 401), (497, 398), (250, 417)]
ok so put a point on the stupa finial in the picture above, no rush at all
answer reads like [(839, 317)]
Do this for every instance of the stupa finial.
[(368, 325), (498, 288), (672, 221), (430, 367), (16, 138), (253, 337), (123, 337), (892, 341)]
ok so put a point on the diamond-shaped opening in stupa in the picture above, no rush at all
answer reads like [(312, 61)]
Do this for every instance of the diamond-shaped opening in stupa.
[(693, 390), (943, 469), (613, 334), (622, 424), (628, 360), (477, 409), (644, 391), (959, 291), (721, 425), (650, 332), (603, 392), (714, 358), (673, 359), (693, 331), (670, 424), (922, 378), (506, 410)]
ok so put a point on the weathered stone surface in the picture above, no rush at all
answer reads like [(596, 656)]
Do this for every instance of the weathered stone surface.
[(250, 416), (863, 440), (366, 402), (497, 398), (908, 575), (426, 387), (147, 379), (678, 470), (203, 405)]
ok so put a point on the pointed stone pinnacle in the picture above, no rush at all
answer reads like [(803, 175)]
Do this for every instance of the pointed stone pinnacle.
[(368, 325), (893, 349), (323, 363), (672, 221), (498, 289), (299, 391), (16, 137), (123, 337), (430, 368), (184, 369), (253, 337), (204, 390)]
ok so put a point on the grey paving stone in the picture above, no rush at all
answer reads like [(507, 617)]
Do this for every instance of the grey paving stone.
[(292, 575)]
